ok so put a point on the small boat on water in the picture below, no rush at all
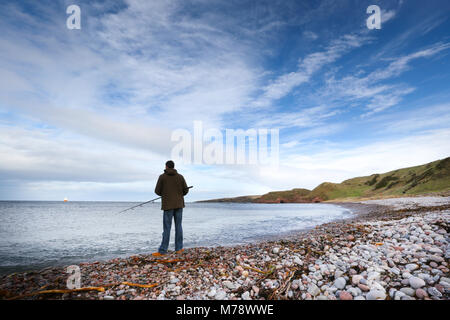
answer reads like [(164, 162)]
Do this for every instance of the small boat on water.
[(66, 200)]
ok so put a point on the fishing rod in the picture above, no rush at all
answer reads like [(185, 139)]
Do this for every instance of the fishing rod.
[(146, 202)]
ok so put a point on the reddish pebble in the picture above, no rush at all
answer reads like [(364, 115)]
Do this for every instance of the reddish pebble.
[(344, 295), (420, 293), (363, 287)]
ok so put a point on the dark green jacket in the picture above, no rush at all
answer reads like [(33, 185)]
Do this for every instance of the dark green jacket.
[(172, 187)]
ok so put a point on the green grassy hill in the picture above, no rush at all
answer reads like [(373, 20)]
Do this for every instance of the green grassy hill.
[(433, 177), (428, 178)]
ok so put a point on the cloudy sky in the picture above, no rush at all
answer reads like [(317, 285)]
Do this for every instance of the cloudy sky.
[(88, 114)]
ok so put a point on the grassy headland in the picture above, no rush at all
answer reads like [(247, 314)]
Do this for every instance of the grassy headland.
[(430, 178)]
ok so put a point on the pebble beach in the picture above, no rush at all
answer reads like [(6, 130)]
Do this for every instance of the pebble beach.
[(391, 249)]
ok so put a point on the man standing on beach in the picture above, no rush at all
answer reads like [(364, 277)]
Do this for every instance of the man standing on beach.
[(172, 188)]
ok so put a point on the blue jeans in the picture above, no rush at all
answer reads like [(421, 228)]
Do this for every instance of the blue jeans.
[(177, 215)]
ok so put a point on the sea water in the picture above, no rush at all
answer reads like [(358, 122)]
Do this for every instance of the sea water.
[(38, 234)]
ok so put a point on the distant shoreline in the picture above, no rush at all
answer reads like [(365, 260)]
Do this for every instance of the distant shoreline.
[(250, 199)]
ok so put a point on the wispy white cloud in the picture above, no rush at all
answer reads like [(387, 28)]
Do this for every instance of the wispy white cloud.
[(421, 119), (304, 118), (373, 86), (387, 15), (401, 64), (310, 35), (416, 31), (312, 63)]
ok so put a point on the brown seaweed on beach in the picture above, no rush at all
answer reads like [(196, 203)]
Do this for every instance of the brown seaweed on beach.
[(99, 289)]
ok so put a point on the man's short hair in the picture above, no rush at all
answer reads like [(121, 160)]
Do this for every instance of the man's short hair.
[(170, 164)]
